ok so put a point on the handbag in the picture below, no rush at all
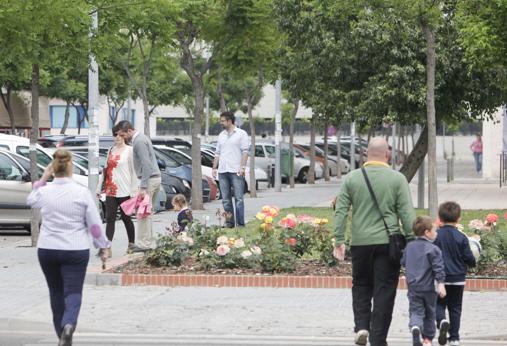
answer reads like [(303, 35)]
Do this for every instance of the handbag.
[(104, 172), (397, 241)]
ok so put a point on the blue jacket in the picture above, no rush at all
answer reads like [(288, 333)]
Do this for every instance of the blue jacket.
[(456, 251), (423, 265)]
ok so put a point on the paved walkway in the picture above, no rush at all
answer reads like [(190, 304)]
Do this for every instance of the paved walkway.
[(247, 316)]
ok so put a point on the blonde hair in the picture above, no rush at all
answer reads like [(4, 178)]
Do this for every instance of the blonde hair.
[(62, 163), (180, 200)]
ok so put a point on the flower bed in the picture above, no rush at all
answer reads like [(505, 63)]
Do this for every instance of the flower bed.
[(290, 243)]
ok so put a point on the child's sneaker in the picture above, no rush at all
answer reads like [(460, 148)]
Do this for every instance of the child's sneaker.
[(416, 336), (427, 342), (442, 332), (454, 343)]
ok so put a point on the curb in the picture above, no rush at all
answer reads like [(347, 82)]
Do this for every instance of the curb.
[(95, 276)]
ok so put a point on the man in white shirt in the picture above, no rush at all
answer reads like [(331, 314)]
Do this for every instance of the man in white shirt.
[(230, 158)]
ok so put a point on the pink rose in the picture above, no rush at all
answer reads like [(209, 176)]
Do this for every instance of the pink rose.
[(223, 250), (491, 218)]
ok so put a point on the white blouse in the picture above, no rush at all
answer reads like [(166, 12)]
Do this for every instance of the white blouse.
[(121, 180), (69, 213)]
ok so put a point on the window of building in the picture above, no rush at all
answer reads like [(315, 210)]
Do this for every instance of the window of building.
[(76, 116), (131, 118)]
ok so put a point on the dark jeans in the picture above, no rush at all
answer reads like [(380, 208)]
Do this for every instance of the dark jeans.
[(453, 302), (232, 183), (375, 277), (422, 306), (65, 273), (112, 204)]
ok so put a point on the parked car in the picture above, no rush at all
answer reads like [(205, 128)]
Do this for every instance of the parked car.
[(319, 156), (207, 157), (176, 143), (185, 160), (15, 186), (20, 145), (265, 156), (73, 141)]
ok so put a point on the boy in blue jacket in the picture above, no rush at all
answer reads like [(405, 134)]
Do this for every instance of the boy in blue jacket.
[(424, 266), (457, 256)]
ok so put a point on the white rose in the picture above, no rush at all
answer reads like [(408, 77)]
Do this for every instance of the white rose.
[(246, 254), (239, 243), (222, 240), (256, 250)]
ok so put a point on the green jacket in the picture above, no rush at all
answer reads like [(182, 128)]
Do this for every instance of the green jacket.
[(393, 195)]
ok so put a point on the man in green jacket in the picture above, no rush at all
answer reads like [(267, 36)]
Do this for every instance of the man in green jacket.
[(374, 275)]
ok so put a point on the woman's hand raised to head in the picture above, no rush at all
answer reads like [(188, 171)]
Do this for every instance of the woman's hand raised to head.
[(48, 172)]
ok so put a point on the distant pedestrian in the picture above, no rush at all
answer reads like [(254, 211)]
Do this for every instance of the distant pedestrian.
[(424, 266), (476, 148), (69, 215), (180, 205), (148, 173), (230, 158), (457, 255), (375, 221)]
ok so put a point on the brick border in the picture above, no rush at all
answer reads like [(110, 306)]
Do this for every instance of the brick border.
[(276, 281)]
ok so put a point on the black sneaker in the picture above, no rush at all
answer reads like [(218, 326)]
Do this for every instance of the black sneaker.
[(442, 332), (416, 336), (66, 337)]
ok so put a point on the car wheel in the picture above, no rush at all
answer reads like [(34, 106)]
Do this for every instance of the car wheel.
[(303, 175)]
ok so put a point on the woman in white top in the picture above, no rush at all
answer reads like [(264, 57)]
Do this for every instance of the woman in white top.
[(119, 183), (69, 215)]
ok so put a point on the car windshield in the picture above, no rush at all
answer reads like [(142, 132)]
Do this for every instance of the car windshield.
[(270, 149), (25, 163), (182, 159), (43, 159)]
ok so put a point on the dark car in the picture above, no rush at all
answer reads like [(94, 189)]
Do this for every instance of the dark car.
[(74, 141), (183, 171)]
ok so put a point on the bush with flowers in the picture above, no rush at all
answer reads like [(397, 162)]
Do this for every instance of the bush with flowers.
[(171, 250), (492, 243)]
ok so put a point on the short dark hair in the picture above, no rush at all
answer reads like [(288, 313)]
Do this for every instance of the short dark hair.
[(421, 224), (228, 116), (123, 125), (449, 212)]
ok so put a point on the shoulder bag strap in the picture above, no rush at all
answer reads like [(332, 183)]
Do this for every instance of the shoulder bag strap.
[(368, 184)]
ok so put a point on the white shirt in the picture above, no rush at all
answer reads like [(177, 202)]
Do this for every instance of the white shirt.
[(68, 214), (122, 180), (230, 148)]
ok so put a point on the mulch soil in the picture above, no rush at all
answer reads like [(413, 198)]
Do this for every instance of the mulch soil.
[(307, 267)]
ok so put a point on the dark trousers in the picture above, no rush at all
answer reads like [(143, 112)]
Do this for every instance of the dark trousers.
[(112, 204), (375, 277), (65, 272), (453, 302), (422, 309)]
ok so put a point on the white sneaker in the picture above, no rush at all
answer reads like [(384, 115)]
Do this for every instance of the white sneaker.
[(454, 343), (361, 337)]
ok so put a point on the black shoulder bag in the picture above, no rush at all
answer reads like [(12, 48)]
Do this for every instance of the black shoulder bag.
[(397, 241)]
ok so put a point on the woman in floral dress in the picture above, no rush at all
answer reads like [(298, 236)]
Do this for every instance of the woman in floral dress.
[(119, 183)]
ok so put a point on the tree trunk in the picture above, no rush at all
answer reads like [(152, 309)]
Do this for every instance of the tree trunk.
[(338, 152), (253, 188), (326, 165), (361, 159), (431, 123), (34, 136), (7, 103), (146, 110), (311, 172), (416, 156), (291, 139), (220, 92), (197, 203), (66, 119)]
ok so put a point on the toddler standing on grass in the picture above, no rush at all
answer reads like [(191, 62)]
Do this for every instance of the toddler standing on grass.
[(424, 267)]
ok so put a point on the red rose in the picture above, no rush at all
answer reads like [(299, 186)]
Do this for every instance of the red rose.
[(491, 218), (291, 241)]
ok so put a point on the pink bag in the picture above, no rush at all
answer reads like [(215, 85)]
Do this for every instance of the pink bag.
[(142, 207), (129, 206)]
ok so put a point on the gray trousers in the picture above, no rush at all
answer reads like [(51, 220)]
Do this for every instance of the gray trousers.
[(422, 309)]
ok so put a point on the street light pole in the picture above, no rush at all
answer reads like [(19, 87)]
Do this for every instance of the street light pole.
[(93, 101), (206, 130), (278, 134), (353, 145)]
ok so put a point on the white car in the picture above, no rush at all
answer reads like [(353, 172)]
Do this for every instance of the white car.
[(260, 174), (20, 145), (265, 156)]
